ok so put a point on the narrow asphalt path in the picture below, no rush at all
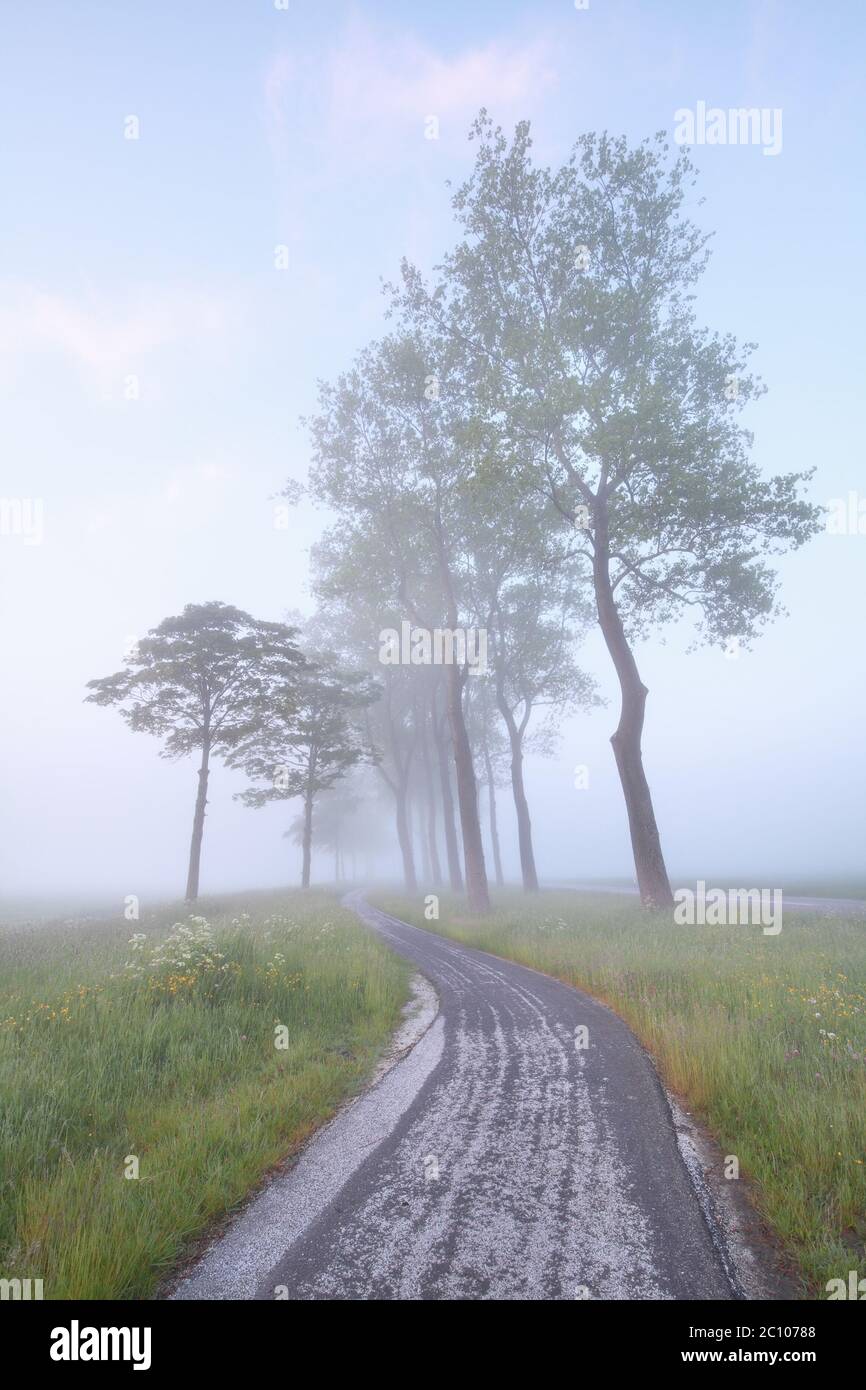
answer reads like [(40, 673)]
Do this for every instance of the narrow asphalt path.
[(513, 1164)]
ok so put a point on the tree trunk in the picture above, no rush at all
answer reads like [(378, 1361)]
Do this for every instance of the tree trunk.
[(308, 838), (430, 807), (452, 850), (467, 789), (467, 794), (404, 835), (652, 877), (398, 785), (426, 863), (521, 806), (518, 790), (198, 827), (494, 829)]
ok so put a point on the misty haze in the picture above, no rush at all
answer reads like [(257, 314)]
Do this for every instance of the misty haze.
[(432, 540)]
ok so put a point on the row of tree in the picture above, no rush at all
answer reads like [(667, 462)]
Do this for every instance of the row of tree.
[(545, 434), (218, 683), (546, 439)]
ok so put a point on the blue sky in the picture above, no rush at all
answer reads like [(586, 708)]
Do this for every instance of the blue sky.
[(154, 259)]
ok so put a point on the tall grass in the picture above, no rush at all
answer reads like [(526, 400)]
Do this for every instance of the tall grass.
[(764, 1036), (164, 1050)]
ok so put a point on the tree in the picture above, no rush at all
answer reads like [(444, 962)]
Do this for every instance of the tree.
[(194, 680), (331, 817), (570, 296), (422, 717), (347, 821), (390, 728), (528, 592), (356, 583), (303, 739), (442, 744), (387, 448), (533, 668), (487, 737)]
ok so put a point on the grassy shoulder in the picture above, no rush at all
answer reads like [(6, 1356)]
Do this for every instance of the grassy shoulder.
[(764, 1036), (165, 1049)]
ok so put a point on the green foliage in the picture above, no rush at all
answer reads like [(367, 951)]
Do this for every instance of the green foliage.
[(570, 300), (164, 1048), (195, 678), (304, 739)]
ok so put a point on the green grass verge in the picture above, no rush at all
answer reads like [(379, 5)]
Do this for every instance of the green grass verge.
[(166, 1050), (764, 1036)]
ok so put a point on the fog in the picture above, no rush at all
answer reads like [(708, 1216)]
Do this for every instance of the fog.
[(156, 360)]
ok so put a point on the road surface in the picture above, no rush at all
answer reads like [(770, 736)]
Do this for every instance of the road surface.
[(498, 1160)]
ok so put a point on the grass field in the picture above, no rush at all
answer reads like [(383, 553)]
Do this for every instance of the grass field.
[(764, 1036), (165, 1050)]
